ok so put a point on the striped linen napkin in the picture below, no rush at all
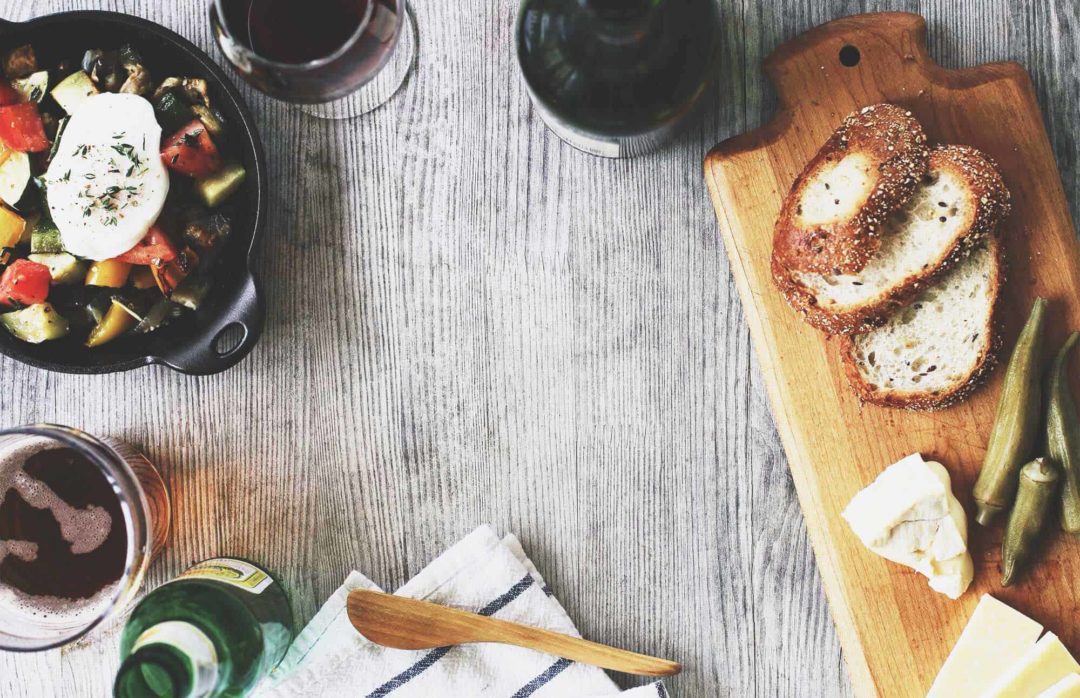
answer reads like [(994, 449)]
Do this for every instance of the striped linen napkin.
[(482, 573)]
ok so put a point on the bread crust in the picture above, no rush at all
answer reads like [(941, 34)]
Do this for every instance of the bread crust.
[(895, 145), (991, 206), (930, 400)]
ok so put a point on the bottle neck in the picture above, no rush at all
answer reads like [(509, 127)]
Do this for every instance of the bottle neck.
[(172, 659)]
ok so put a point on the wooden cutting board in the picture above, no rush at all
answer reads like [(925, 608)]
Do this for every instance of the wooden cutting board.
[(895, 631)]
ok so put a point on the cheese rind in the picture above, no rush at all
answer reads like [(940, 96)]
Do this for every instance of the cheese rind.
[(909, 515), (1037, 670), (994, 638), (1068, 687)]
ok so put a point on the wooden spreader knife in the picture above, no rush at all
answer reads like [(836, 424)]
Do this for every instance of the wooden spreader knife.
[(408, 624)]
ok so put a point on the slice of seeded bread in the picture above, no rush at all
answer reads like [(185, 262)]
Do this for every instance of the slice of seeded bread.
[(957, 204), (933, 352), (830, 222)]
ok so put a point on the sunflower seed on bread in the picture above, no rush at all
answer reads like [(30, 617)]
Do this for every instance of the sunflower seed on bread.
[(935, 351), (956, 205), (831, 220)]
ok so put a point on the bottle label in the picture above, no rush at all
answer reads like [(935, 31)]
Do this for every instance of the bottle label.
[(191, 641), (237, 573), (585, 142)]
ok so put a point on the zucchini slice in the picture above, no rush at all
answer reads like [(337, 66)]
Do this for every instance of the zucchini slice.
[(36, 323), (64, 268), (45, 238), (74, 90), (221, 185), (33, 87)]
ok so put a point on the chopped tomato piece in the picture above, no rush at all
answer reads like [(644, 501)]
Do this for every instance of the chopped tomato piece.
[(190, 151), (21, 128), (8, 95), (153, 248), (25, 283)]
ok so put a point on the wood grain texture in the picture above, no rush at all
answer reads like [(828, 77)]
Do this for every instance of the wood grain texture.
[(471, 322), (896, 633)]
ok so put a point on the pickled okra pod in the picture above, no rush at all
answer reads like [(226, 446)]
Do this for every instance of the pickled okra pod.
[(1016, 422), (1063, 435), (1034, 495)]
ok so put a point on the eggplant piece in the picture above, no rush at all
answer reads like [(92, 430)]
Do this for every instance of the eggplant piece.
[(84, 307), (194, 90), (20, 62), (208, 232), (104, 69), (192, 291), (212, 119), (138, 77), (159, 315), (172, 112), (133, 303)]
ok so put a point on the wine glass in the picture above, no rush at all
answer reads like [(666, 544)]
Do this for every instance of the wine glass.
[(337, 59)]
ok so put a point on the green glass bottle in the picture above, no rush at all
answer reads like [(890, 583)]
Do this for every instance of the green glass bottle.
[(216, 630), (615, 77)]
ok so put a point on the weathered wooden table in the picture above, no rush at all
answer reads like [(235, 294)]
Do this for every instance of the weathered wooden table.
[(470, 322)]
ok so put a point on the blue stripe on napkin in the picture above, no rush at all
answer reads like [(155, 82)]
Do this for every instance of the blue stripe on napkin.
[(535, 685), (439, 652)]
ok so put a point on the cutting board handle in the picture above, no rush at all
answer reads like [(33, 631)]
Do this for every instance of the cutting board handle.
[(851, 55)]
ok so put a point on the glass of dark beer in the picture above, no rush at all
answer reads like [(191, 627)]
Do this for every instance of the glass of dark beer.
[(80, 520), (336, 58)]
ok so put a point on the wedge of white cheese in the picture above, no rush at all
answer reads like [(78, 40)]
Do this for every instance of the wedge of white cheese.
[(994, 638), (909, 515), (1035, 671), (1068, 687)]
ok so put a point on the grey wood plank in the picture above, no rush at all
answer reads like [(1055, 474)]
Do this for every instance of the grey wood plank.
[(470, 322)]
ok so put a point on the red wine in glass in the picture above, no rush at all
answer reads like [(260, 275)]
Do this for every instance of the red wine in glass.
[(310, 51)]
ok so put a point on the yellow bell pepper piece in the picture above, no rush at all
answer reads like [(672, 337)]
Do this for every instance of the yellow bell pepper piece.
[(142, 278), (12, 226), (111, 273), (116, 322)]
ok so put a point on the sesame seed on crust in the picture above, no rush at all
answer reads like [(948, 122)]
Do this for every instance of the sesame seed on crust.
[(895, 145), (990, 206)]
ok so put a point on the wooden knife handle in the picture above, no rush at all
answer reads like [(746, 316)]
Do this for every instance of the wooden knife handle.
[(576, 649)]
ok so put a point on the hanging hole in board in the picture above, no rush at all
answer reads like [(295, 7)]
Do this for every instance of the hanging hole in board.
[(229, 339), (849, 56)]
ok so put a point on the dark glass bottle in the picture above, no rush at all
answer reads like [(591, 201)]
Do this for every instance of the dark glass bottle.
[(614, 77), (216, 630)]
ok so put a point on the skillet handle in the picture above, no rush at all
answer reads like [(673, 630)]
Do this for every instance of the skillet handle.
[(246, 313)]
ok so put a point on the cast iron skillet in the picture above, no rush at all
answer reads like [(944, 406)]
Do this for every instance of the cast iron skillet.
[(186, 344)]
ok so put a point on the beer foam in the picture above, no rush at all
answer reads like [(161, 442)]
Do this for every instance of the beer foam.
[(84, 529), (22, 549), (38, 617)]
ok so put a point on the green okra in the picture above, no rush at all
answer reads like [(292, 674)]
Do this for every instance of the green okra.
[(1016, 423), (1035, 493), (1063, 435)]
